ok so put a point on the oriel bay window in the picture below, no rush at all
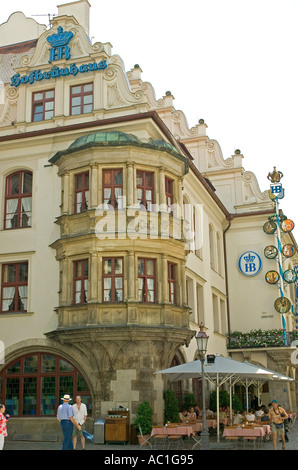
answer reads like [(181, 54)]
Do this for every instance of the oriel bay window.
[(113, 188), (80, 281), (81, 99), (43, 105), (112, 279), (145, 189), (18, 200), (147, 280), (14, 287), (81, 192)]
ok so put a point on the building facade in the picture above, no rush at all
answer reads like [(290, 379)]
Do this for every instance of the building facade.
[(120, 228)]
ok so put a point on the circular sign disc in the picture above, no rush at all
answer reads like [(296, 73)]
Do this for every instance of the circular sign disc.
[(288, 250), (269, 227), (272, 277), (287, 225), (290, 276), (282, 305), (270, 252)]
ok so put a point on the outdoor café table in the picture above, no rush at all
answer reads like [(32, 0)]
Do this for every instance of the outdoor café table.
[(180, 430), (239, 431), (198, 425), (267, 428)]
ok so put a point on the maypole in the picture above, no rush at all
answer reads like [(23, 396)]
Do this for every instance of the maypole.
[(279, 225)]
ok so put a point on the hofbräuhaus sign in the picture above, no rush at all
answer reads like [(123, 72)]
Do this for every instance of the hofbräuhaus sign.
[(60, 50)]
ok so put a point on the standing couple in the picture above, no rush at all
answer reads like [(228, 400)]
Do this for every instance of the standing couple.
[(72, 419)]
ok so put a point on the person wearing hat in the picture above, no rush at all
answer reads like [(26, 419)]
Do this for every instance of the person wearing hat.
[(65, 415), (277, 415)]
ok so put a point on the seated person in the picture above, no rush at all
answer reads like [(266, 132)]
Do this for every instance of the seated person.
[(238, 419), (192, 414), (249, 416), (209, 413), (259, 412), (183, 416), (265, 415), (222, 412), (197, 410)]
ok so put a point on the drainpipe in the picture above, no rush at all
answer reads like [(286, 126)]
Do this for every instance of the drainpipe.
[(229, 218)]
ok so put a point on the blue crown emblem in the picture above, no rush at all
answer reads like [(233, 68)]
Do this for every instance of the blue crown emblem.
[(249, 258), (62, 38)]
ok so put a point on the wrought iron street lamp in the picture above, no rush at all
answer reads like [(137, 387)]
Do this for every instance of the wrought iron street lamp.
[(202, 342)]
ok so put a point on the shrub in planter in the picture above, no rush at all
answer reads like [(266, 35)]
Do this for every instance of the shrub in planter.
[(171, 411), (144, 418), (188, 401), (224, 399), (236, 404)]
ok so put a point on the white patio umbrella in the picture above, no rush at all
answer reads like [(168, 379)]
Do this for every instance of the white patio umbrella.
[(222, 370)]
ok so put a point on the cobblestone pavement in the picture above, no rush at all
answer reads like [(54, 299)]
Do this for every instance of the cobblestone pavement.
[(266, 445)]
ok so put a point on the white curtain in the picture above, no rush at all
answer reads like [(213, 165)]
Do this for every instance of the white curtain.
[(27, 208), (11, 210), (8, 295), (86, 199), (86, 289), (118, 197), (79, 203), (23, 294)]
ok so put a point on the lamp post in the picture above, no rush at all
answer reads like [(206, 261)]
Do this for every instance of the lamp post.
[(202, 341)]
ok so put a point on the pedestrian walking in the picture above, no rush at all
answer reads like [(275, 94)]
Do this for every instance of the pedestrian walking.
[(65, 415), (277, 415), (3, 429), (80, 415)]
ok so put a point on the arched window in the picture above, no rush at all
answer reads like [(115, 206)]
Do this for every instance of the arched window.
[(18, 200), (33, 385), (177, 386)]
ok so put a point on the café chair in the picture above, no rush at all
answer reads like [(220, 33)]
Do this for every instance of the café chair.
[(159, 440), (145, 440), (174, 440)]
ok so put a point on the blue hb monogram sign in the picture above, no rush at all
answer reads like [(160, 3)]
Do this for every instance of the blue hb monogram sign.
[(60, 49), (58, 53), (277, 190), (249, 263)]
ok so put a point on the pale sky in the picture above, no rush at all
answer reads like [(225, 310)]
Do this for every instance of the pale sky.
[(232, 63)]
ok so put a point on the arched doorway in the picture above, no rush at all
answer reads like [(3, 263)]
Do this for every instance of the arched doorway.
[(33, 384), (177, 386)]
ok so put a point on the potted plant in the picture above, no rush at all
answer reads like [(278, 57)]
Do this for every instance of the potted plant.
[(143, 420), (189, 401), (224, 399), (236, 403), (171, 410)]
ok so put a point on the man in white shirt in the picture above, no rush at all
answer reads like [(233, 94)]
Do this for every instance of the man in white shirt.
[(80, 415)]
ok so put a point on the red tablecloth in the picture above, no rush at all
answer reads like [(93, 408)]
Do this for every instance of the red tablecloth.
[(198, 425), (183, 430), (245, 432)]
